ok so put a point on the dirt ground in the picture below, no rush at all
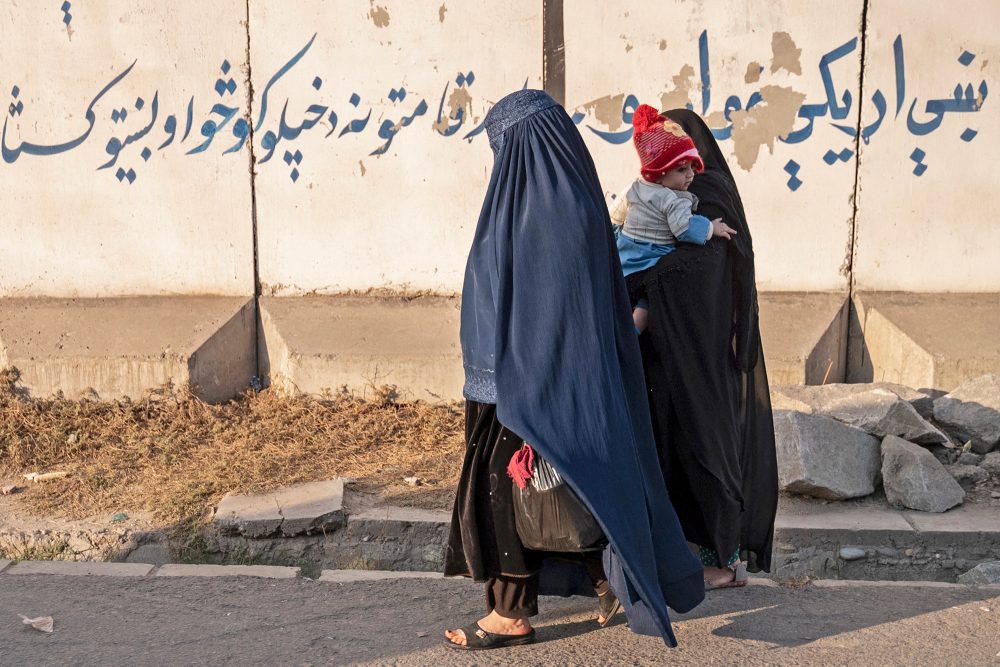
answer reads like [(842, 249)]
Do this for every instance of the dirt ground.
[(171, 456), (165, 460)]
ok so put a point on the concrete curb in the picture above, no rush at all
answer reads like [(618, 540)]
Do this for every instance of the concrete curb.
[(81, 568), (839, 541), (861, 583), (760, 581), (844, 542), (71, 568), (350, 576), (260, 571)]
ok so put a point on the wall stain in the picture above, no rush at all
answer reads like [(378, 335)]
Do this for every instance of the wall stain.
[(441, 12), (761, 126), (681, 94), (460, 98), (379, 15), (716, 120), (753, 72), (607, 110), (784, 54)]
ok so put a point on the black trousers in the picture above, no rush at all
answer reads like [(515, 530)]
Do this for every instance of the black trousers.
[(517, 597)]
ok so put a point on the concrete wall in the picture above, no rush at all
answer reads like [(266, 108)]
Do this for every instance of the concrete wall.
[(385, 190), (719, 57), (370, 170), (301, 147), (86, 210), (928, 204)]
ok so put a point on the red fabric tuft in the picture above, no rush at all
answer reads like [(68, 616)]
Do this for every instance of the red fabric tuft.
[(522, 466), (645, 117)]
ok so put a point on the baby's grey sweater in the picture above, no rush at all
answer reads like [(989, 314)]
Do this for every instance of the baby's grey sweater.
[(657, 214)]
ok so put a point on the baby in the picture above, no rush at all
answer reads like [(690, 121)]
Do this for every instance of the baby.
[(660, 209)]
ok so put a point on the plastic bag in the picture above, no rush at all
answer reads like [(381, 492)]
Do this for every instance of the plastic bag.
[(550, 517)]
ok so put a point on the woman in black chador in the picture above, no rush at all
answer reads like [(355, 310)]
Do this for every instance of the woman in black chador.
[(551, 359), (708, 390)]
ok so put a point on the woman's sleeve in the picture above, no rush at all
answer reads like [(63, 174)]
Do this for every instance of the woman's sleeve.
[(636, 283)]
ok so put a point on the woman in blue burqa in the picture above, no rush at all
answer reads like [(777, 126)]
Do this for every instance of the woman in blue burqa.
[(551, 359)]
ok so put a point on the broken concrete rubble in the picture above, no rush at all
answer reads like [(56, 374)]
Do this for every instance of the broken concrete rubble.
[(913, 478), (807, 398), (967, 476), (881, 413), (296, 510), (822, 457), (972, 412)]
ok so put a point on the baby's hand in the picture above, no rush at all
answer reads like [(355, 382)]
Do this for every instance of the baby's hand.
[(719, 228), (640, 318)]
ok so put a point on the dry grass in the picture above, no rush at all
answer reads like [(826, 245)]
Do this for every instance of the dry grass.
[(175, 456)]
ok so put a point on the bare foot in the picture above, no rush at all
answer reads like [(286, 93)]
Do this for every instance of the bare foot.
[(718, 575), (495, 624)]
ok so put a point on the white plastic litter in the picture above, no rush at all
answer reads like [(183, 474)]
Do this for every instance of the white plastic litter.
[(45, 476), (42, 623)]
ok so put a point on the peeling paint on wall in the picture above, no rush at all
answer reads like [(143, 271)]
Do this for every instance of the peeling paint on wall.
[(607, 110), (379, 15), (460, 99), (784, 54), (681, 94), (754, 70), (442, 10), (764, 123), (663, 45), (716, 119)]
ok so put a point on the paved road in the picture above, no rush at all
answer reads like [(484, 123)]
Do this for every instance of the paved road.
[(240, 621)]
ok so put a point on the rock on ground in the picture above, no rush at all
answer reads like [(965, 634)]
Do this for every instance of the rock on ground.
[(852, 553), (982, 574), (913, 478), (968, 476), (972, 412), (819, 456), (970, 459), (991, 464), (946, 455), (806, 398), (881, 413)]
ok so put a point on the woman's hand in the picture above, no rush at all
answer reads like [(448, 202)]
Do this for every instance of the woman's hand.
[(719, 228)]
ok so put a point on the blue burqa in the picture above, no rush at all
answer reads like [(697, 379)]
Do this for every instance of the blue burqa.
[(547, 335)]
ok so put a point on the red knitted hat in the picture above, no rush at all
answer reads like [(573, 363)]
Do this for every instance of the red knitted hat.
[(661, 143)]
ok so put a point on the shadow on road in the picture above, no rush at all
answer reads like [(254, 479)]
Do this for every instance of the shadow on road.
[(784, 617)]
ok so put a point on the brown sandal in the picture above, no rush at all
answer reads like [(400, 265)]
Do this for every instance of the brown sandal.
[(477, 639), (609, 605)]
